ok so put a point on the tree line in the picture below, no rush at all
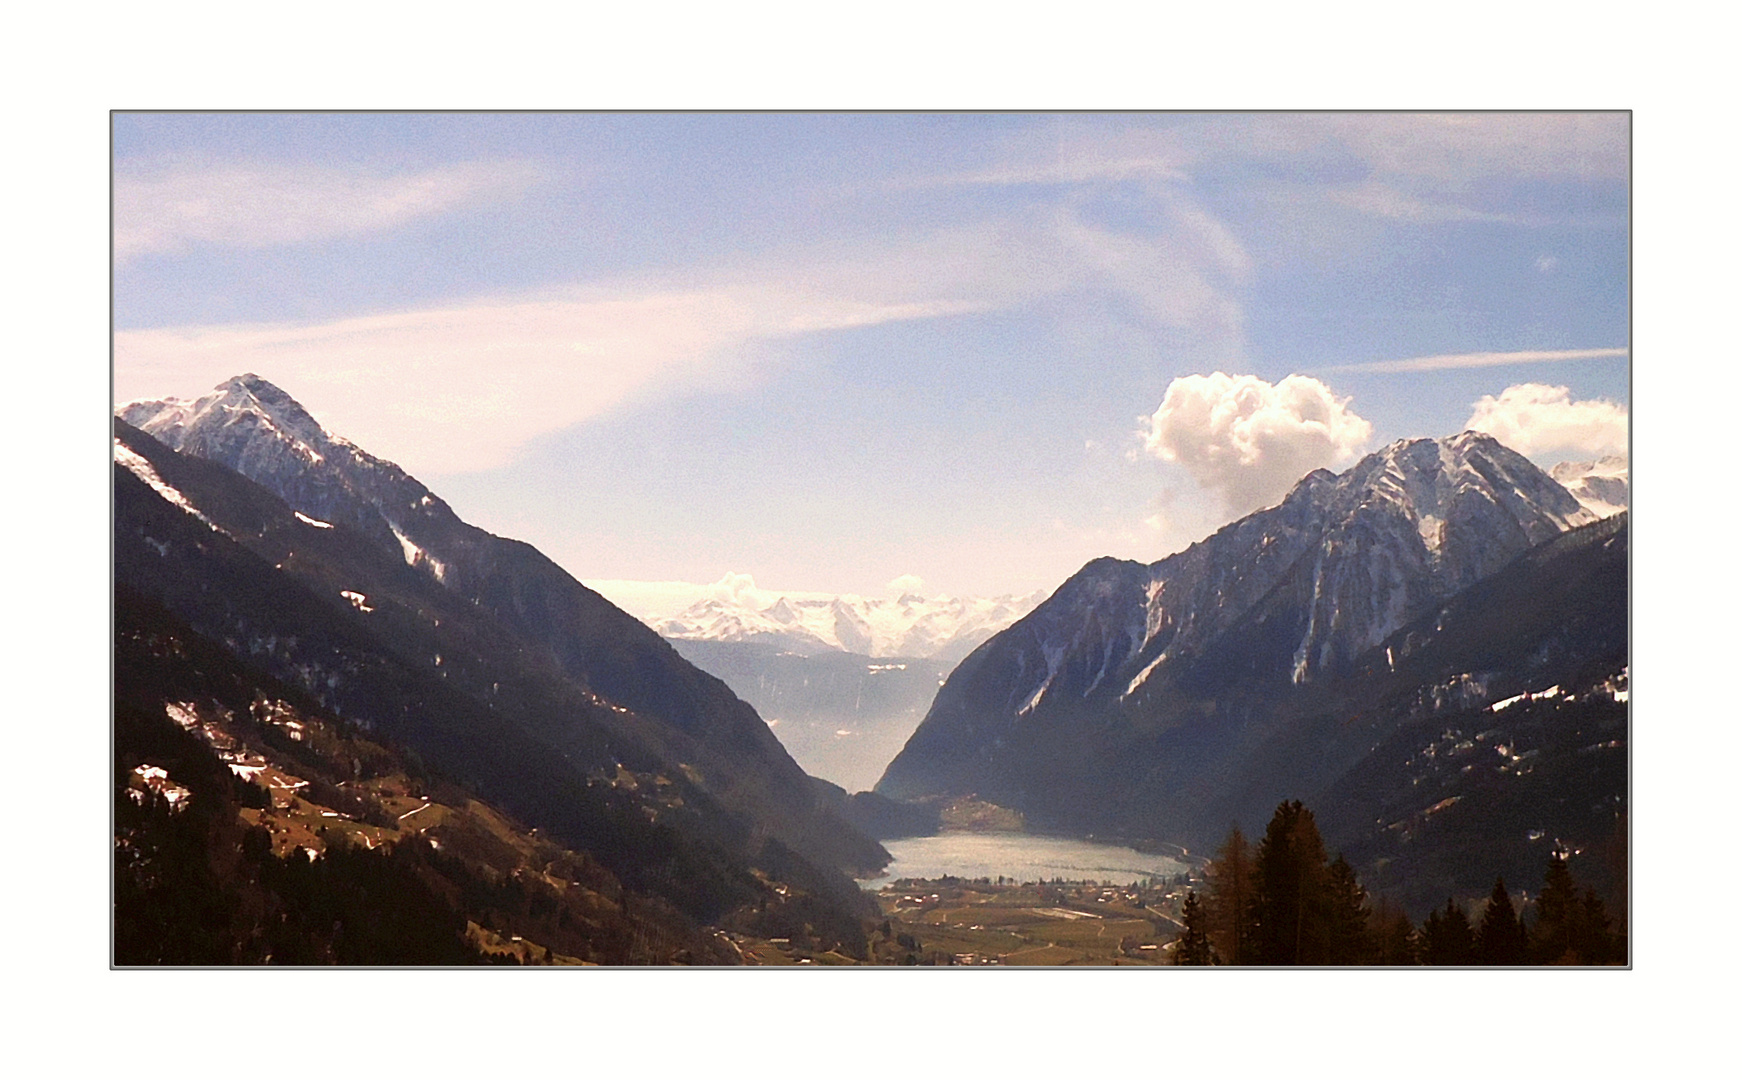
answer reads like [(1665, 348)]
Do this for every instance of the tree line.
[(1284, 903)]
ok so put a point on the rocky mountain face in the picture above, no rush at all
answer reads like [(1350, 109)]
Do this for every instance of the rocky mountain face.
[(1153, 700), (475, 649)]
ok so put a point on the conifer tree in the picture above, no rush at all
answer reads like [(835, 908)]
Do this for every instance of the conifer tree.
[(1446, 938), (1500, 938), (1558, 913), (1394, 941), (1592, 939), (1292, 890), (1228, 907), (1346, 914), (1192, 947)]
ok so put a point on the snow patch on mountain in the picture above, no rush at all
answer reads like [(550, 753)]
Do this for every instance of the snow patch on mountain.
[(143, 469), (416, 556)]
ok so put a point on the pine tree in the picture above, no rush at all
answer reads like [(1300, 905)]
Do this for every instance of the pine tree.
[(1446, 938), (1500, 938), (1192, 947), (1592, 939), (1346, 914), (1394, 941), (1558, 915), (1291, 897), (1228, 907)]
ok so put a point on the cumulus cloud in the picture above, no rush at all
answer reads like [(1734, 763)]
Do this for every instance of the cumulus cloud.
[(1249, 441), (907, 583), (1544, 421), (733, 588), (173, 208)]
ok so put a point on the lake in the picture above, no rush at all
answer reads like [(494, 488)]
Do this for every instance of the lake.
[(1019, 856)]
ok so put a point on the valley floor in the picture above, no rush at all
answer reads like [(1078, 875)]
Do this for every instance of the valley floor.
[(957, 922)]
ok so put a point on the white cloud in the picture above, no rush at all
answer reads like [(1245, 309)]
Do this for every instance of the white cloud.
[(907, 583), (734, 588), (1449, 361), (1249, 441), (1544, 421), (172, 208)]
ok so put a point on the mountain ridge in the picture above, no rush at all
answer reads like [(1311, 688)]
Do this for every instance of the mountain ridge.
[(605, 685), (1130, 699)]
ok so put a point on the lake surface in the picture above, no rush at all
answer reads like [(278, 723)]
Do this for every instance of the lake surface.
[(1019, 856)]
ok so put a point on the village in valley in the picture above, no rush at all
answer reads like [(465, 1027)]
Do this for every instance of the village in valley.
[(978, 922)]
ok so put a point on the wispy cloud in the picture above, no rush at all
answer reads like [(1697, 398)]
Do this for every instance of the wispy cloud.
[(1068, 155), (1450, 361), (1462, 146), (176, 207), (463, 386), (1422, 168), (1384, 200)]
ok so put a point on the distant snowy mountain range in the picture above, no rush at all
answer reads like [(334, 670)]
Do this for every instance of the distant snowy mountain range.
[(734, 609), (1600, 486)]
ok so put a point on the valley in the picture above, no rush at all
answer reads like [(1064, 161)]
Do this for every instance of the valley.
[(1430, 646)]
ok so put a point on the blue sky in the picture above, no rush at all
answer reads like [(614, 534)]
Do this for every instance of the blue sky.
[(828, 350)]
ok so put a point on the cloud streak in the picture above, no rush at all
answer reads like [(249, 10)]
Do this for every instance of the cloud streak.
[(1050, 157), (168, 209), (1450, 361), (462, 387)]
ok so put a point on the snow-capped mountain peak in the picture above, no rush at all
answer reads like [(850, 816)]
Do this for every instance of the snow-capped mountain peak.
[(246, 399), (1601, 486), (734, 609), (255, 428)]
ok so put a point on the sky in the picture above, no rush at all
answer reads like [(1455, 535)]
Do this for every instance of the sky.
[(839, 351)]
